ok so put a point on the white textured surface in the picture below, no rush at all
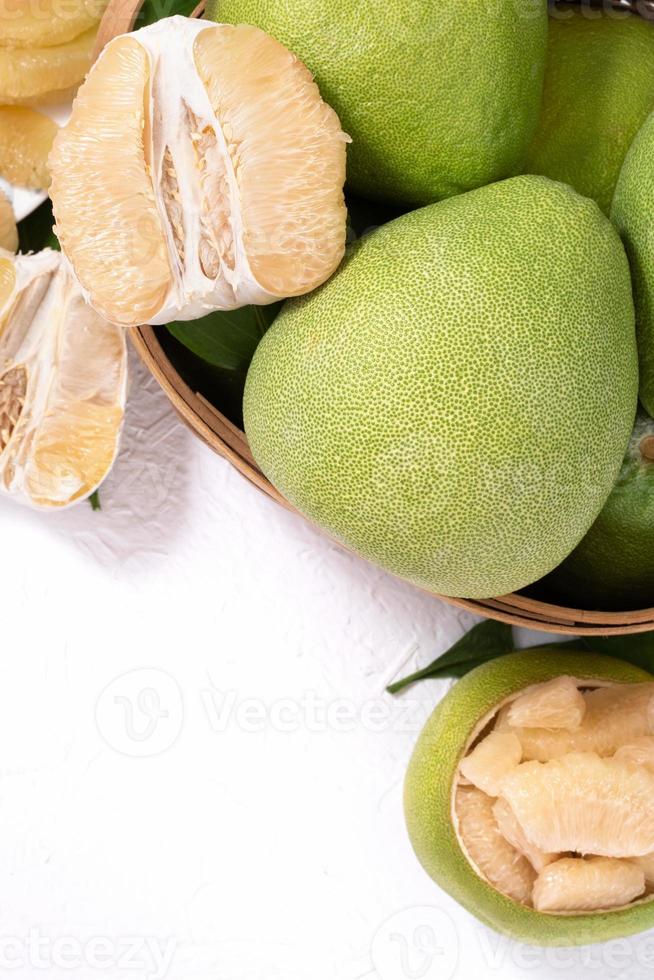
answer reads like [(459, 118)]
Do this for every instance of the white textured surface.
[(199, 764)]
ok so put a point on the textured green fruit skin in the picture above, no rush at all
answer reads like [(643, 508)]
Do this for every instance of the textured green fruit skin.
[(437, 97), (428, 797), (613, 566), (599, 89), (455, 403), (633, 215)]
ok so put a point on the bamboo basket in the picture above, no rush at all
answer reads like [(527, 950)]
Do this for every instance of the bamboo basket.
[(224, 438)]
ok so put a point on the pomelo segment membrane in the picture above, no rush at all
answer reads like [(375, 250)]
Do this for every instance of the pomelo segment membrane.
[(41, 74), (582, 820), (581, 802), (613, 715), (8, 229), (591, 884), (490, 760), (63, 374), (44, 23), (515, 835), (493, 856), (26, 137), (200, 170), (556, 704)]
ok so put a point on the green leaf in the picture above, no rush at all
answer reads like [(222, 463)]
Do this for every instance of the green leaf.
[(94, 501), (35, 231), (485, 641), (226, 340), (154, 10)]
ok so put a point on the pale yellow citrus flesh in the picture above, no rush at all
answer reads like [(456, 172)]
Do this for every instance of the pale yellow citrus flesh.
[(613, 716), (26, 138), (8, 229), (556, 704), (496, 859), (107, 218), (35, 74), (286, 149), (62, 387), (583, 803), (578, 884), (490, 761), (44, 23)]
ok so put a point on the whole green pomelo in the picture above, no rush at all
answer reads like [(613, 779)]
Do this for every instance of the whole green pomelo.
[(613, 566), (437, 97), (429, 787), (454, 404), (599, 88), (633, 215)]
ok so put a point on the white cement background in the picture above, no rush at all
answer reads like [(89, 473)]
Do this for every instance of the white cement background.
[(200, 773)]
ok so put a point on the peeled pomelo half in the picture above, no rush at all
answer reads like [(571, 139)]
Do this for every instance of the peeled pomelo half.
[(63, 375), (466, 712), (613, 715), (38, 74), (512, 832), (584, 803), (8, 229), (26, 138), (200, 170), (25, 23), (555, 704), (496, 859), (490, 760), (581, 884)]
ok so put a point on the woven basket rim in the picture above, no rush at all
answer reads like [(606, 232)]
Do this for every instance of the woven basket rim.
[(224, 438)]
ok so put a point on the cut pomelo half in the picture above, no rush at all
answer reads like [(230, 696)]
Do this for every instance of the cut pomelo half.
[(490, 761), (26, 137), (200, 170), (555, 704), (433, 785), (613, 715), (587, 884), (584, 803), (496, 859), (40, 24), (515, 835), (8, 229), (63, 373), (38, 74)]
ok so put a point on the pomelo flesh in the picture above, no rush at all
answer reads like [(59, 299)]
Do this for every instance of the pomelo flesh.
[(438, 97), (612, 716), (454, 404), (578, 884)]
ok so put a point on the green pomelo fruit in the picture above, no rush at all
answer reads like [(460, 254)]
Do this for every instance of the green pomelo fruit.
[(613, 566), (599, 89), (633, 215), (429, 785), (455, 403), (437, 97)]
